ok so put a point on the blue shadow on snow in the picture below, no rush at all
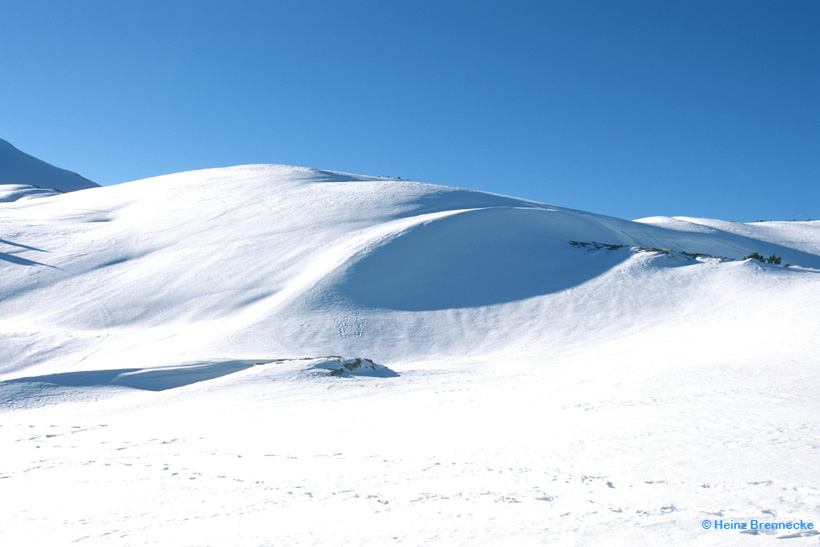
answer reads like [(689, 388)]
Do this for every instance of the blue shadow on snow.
[(155, 379)]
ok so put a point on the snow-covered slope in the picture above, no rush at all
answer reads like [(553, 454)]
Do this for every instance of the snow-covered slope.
[(281, 260), (554, 375), (22, 176)]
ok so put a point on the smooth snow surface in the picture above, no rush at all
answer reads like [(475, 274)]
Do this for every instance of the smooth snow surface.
[(23, 176), (273, 355)]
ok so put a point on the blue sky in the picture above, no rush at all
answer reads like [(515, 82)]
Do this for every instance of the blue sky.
[(628, 108)]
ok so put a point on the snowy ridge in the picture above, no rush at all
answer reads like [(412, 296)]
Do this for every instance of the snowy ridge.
[(23, 176), (169, 327), (802, 236)]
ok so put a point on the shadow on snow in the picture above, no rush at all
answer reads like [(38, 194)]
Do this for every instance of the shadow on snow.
[(478, 258), (154, 379)]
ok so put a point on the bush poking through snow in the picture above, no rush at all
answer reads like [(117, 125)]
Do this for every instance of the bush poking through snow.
[(774, 259), (594, 245)]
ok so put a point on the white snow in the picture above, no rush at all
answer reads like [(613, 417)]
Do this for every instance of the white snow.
[(173, 351)]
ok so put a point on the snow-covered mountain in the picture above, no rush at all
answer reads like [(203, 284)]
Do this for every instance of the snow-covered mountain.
[(22, 176), (185, 354)]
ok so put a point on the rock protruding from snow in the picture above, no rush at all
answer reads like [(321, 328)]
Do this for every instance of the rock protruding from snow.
[(30, 176), (339, 366)]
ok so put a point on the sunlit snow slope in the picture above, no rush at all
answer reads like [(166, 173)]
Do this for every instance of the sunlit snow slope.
[(575, 352), (272, 260)]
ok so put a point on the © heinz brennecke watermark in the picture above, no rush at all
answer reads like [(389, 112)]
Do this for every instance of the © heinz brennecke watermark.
[(718, 524)]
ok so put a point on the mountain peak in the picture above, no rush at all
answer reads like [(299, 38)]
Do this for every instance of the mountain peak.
[(29, 175)]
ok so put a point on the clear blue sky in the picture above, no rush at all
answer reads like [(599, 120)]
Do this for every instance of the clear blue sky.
[(629, 108)]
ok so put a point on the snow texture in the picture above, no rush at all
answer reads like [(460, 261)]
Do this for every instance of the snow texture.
[(276, 355)]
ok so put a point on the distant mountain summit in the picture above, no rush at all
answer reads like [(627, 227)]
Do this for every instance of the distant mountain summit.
[(22, 175)]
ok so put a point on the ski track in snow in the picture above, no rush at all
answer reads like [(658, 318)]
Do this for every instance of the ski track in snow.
[(172, 358)]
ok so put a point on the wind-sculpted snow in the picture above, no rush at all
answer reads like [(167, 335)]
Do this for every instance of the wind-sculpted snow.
[(477, 257), (52, 388), (539, 375), (151, 379), (274, 259)]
